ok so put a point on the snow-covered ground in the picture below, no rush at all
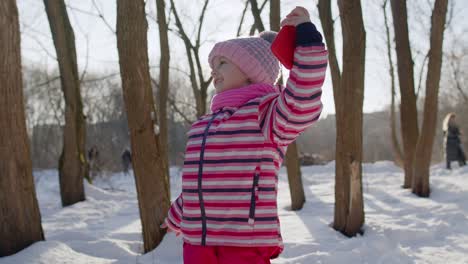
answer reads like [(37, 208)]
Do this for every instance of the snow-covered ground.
[(400, 227)]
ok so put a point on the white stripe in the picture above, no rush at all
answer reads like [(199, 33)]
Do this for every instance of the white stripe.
[(267, 196), (218, 197), (242, 153), (230, 211), (227, 140), (239, 125), (217, 183), (246, 111), (311, 74), (298, 56), (303, 117), (248, 183), (229, 168), (189, 225), (289, 126), (194, 131), (303, 91)]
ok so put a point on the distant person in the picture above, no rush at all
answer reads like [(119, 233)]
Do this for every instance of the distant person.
[(126, 160), (453, 148), (228, 212), (93, 161)]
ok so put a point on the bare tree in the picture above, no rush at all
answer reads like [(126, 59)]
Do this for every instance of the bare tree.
[(150, 173), (72, 164), (20, 217), (397, 153), (422, 161), (348, 91), (163, 91), (418, 145), (408, 108), (198, 81)]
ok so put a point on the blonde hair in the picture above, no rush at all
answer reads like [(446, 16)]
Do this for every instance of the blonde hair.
[(446, 122)]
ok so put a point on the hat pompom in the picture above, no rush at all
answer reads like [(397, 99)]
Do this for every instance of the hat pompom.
[(268, 36)]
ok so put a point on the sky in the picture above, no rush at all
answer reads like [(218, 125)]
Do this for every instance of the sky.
[(97, 46)]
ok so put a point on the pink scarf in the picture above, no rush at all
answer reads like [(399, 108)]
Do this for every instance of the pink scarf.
[(239, 96)]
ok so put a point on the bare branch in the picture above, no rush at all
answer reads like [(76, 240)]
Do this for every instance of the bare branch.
[(242, 18), (200, 24), (256, 15), (421, 72), (173, 104), (103, 19), (43, 47), (83, 74)]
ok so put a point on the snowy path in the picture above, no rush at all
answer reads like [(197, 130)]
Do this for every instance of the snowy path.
[(400, 228)]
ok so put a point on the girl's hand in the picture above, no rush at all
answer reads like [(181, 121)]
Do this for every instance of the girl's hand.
[(297, 16), (164, 225)]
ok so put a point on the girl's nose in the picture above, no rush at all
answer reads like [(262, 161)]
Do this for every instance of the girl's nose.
[(213, 73)]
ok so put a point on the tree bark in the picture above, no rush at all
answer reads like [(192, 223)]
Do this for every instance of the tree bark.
[(275, 15), (150, 176), (408, 108), (349, 212), (20, 218), (163, 87), (296, 188), (73, 166), (397, 153), (422, 160)]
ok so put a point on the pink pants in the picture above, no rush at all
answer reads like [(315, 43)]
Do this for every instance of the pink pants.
[(227, 255)]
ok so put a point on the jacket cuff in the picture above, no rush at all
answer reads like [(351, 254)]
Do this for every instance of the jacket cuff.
[(307, 35)]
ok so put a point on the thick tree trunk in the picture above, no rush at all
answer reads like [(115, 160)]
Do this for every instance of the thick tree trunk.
[(296, 187), (147, 161), (72, 165), (349, 208), (163, 88), (397, 153), (341, 193), (408, 108), (422, 160), (20, 219)]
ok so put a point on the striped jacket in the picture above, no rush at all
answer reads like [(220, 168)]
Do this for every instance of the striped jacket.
[(232, 159)]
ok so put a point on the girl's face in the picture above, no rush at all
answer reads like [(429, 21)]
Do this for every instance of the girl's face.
[(226, 75)]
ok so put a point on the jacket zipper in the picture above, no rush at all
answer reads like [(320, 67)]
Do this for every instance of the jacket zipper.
[(253, 198), (200, 173)]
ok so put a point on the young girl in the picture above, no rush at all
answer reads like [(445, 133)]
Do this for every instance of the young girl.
[(227, 212)]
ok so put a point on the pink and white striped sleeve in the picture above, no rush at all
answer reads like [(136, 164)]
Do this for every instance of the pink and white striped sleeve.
[(174, 216), (299, 103)]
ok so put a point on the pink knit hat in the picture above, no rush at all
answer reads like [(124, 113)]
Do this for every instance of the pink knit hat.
[(252, 55)]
